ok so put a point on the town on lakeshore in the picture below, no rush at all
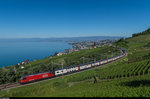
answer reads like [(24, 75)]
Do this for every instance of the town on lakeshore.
[(77, 46)]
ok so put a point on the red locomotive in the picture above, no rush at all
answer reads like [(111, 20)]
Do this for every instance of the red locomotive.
[(34, 77)]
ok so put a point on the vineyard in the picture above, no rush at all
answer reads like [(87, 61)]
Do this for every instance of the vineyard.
[(115, 70)]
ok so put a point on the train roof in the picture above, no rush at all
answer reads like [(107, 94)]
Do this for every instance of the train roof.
[(35, 74), (67, 67)]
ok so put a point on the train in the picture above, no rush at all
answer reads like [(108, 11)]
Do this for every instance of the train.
[(68, 70), (35, 77)]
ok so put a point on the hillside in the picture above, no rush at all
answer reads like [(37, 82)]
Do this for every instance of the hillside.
[(128, 77), (139, 47), (51, 63)]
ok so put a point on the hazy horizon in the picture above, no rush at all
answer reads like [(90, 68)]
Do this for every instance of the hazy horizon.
[(59, 37)]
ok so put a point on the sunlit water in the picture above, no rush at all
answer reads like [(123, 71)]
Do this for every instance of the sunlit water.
[(12, 53)]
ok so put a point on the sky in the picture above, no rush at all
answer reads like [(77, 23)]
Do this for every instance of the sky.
[(72, 18)]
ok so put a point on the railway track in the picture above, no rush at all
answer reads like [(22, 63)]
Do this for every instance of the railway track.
[(16, 84), (6, 86)]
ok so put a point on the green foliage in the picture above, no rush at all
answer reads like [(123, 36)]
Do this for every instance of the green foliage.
[(142, 33), (147, 45), (60, 84), (7, 76), (121, 43)]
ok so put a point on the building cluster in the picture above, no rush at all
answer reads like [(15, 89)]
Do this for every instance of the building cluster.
[(67, 51), (58, 54), (21, 64), (80, 45), (91, 44)]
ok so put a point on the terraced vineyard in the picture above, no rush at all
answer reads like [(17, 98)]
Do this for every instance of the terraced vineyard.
[(113, 71)]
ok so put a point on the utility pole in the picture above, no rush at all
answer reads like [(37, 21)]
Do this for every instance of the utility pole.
[(83, 60), (101, 57), (112, 54), (62, 68), (86, 58), (94, 59), (52, 66), (15, 69), (57, 64), (107, 56)]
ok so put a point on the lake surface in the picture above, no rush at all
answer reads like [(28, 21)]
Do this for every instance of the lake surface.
[(12, 53)]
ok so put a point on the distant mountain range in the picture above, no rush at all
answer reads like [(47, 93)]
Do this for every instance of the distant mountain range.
[(92, 38)]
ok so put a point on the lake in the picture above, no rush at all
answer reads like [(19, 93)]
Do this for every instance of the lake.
[(12, 53)]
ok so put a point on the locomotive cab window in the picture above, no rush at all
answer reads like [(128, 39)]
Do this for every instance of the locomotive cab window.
[(21, 78)]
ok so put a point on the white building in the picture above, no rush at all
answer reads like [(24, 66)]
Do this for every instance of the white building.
[(22, 67), (60, 54)]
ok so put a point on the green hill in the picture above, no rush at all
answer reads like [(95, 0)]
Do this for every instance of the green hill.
[(49, 64), (128, 77)]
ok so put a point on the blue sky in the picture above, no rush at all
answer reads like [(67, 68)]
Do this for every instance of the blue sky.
[(72, 18)]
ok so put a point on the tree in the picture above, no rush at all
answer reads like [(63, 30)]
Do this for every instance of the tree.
[(141, 33), (55, 53), (121, 43)]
